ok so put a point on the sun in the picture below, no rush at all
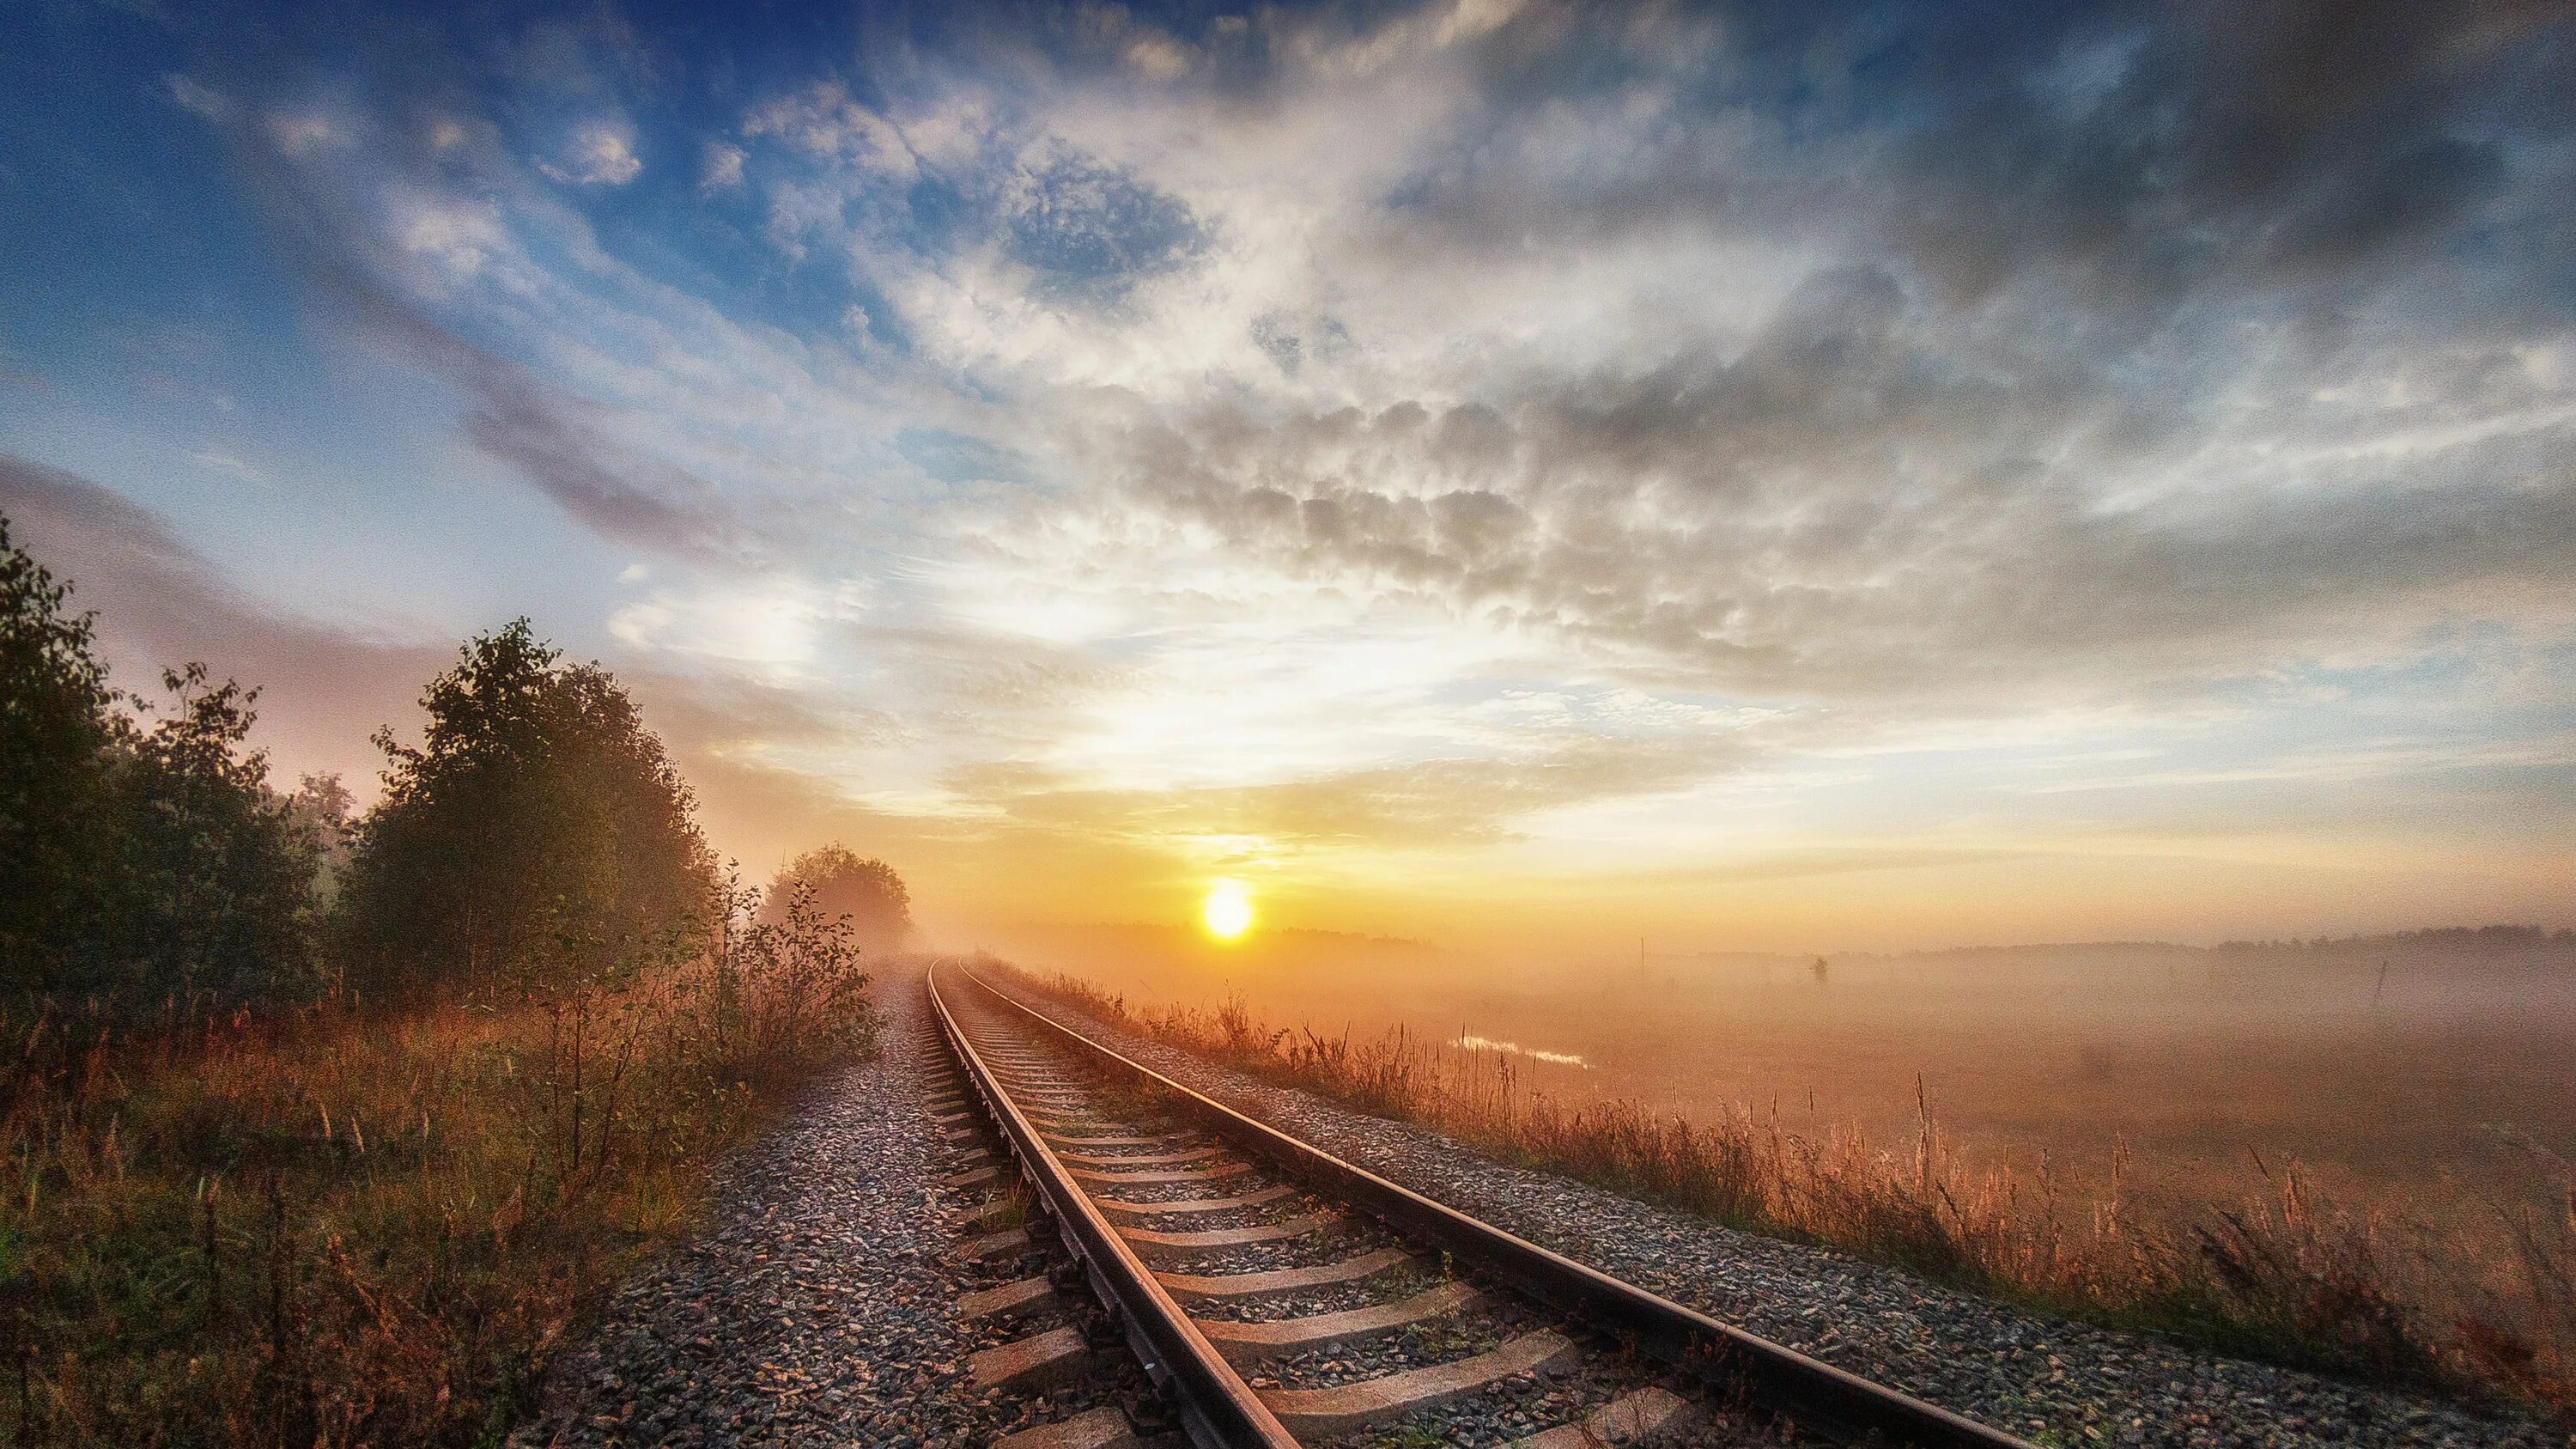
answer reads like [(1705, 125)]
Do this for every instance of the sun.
[(1227, 910)]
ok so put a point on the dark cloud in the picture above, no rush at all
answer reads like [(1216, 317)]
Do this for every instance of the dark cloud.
[(2133, 155), (559, 444), (1839, 512), (569, 448)]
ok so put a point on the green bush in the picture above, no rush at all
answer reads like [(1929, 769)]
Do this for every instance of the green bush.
[(538, 835)]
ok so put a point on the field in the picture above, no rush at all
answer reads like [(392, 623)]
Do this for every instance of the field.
[(333, 1226), (2354, 1154)]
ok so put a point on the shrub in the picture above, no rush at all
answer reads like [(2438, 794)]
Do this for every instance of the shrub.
[(867, 892), (538, 835)]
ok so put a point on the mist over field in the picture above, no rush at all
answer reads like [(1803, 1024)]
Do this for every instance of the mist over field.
[(2434, 1070)]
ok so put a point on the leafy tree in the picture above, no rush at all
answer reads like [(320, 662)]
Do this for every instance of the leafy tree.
[(537, 834), (56, 723), (213, 882), (143, 864), (838, 883), (323, 806)]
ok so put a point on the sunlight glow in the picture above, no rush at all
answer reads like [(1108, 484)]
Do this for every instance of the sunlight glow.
[(1227, 910)]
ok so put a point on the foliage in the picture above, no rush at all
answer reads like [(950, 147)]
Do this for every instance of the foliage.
[(2284, 1276), (538, 834), (147, 864), (838, 882), (249, 1207), (56, 723), (812, 985), (343, 1226)]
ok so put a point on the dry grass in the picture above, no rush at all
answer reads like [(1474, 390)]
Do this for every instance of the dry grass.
[(2285, 1276), (341, 1227)]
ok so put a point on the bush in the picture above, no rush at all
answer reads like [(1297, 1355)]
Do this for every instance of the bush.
[(537, 836), (335, 1227), (837, 882)]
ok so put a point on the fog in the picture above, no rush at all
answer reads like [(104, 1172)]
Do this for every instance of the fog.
[(2433, 1073)]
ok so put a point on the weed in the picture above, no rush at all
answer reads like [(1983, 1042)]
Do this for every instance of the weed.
[(2285, 1276), (338, 1226)]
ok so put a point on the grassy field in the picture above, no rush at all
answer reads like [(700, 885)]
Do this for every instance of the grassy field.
[(339, 1227), (2280, 1271)]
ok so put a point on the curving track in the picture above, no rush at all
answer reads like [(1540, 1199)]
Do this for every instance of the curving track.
[(1281, 1296)]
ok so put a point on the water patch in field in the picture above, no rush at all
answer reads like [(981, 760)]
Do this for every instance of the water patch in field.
[(1488, 1044)]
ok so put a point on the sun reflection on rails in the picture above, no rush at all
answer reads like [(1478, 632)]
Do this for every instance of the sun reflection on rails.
[(1488, 1044)]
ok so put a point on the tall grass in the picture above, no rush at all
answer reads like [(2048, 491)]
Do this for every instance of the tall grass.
[(342, 1226), (2286, 1276)]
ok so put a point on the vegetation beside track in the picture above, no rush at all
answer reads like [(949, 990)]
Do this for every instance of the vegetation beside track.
[(2289, 1277), (321, 1131)]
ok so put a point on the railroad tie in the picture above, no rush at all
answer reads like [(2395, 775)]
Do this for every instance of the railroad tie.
[(1284, 1280), (1345, 1407), (994, 1245), (1098, 1429), (1247, 1343), (1008, 1298), (1149, 1243), (1040, 1361), (1174, 1174), (1114, 1208), (1160, 1159), (1628, 1419)]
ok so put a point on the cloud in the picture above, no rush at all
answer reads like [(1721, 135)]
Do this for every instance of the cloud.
[(1229, 419), (824, 122), (600, 153), (721, 167), (229, 464), (1428, 804), (324, 689), (189, 95), (1092, 231)]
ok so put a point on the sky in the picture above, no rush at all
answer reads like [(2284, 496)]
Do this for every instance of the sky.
[(1510, 475)]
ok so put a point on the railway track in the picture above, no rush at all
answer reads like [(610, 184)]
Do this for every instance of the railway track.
[(1275, 1295)]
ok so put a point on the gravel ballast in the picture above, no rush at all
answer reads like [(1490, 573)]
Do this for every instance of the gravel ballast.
[(818, 1306), (2051, 1380)]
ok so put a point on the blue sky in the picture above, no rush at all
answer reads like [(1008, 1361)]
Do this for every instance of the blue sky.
[(1850, 475)]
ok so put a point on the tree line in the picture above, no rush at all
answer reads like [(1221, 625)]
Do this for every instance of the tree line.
[(536, 836)]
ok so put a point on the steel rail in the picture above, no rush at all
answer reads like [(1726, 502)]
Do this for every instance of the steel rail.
[(1218, 1409), (1808, 1391)]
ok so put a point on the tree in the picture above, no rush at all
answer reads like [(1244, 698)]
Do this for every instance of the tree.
[(839, 883), (143, 864), (537, 834), (57, 720), (213, 886)]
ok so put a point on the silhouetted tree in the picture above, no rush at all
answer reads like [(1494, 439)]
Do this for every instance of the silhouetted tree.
[(143, 863), (839, 883), (214, 886), (56, 724), (323, 806), (537, 834)]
